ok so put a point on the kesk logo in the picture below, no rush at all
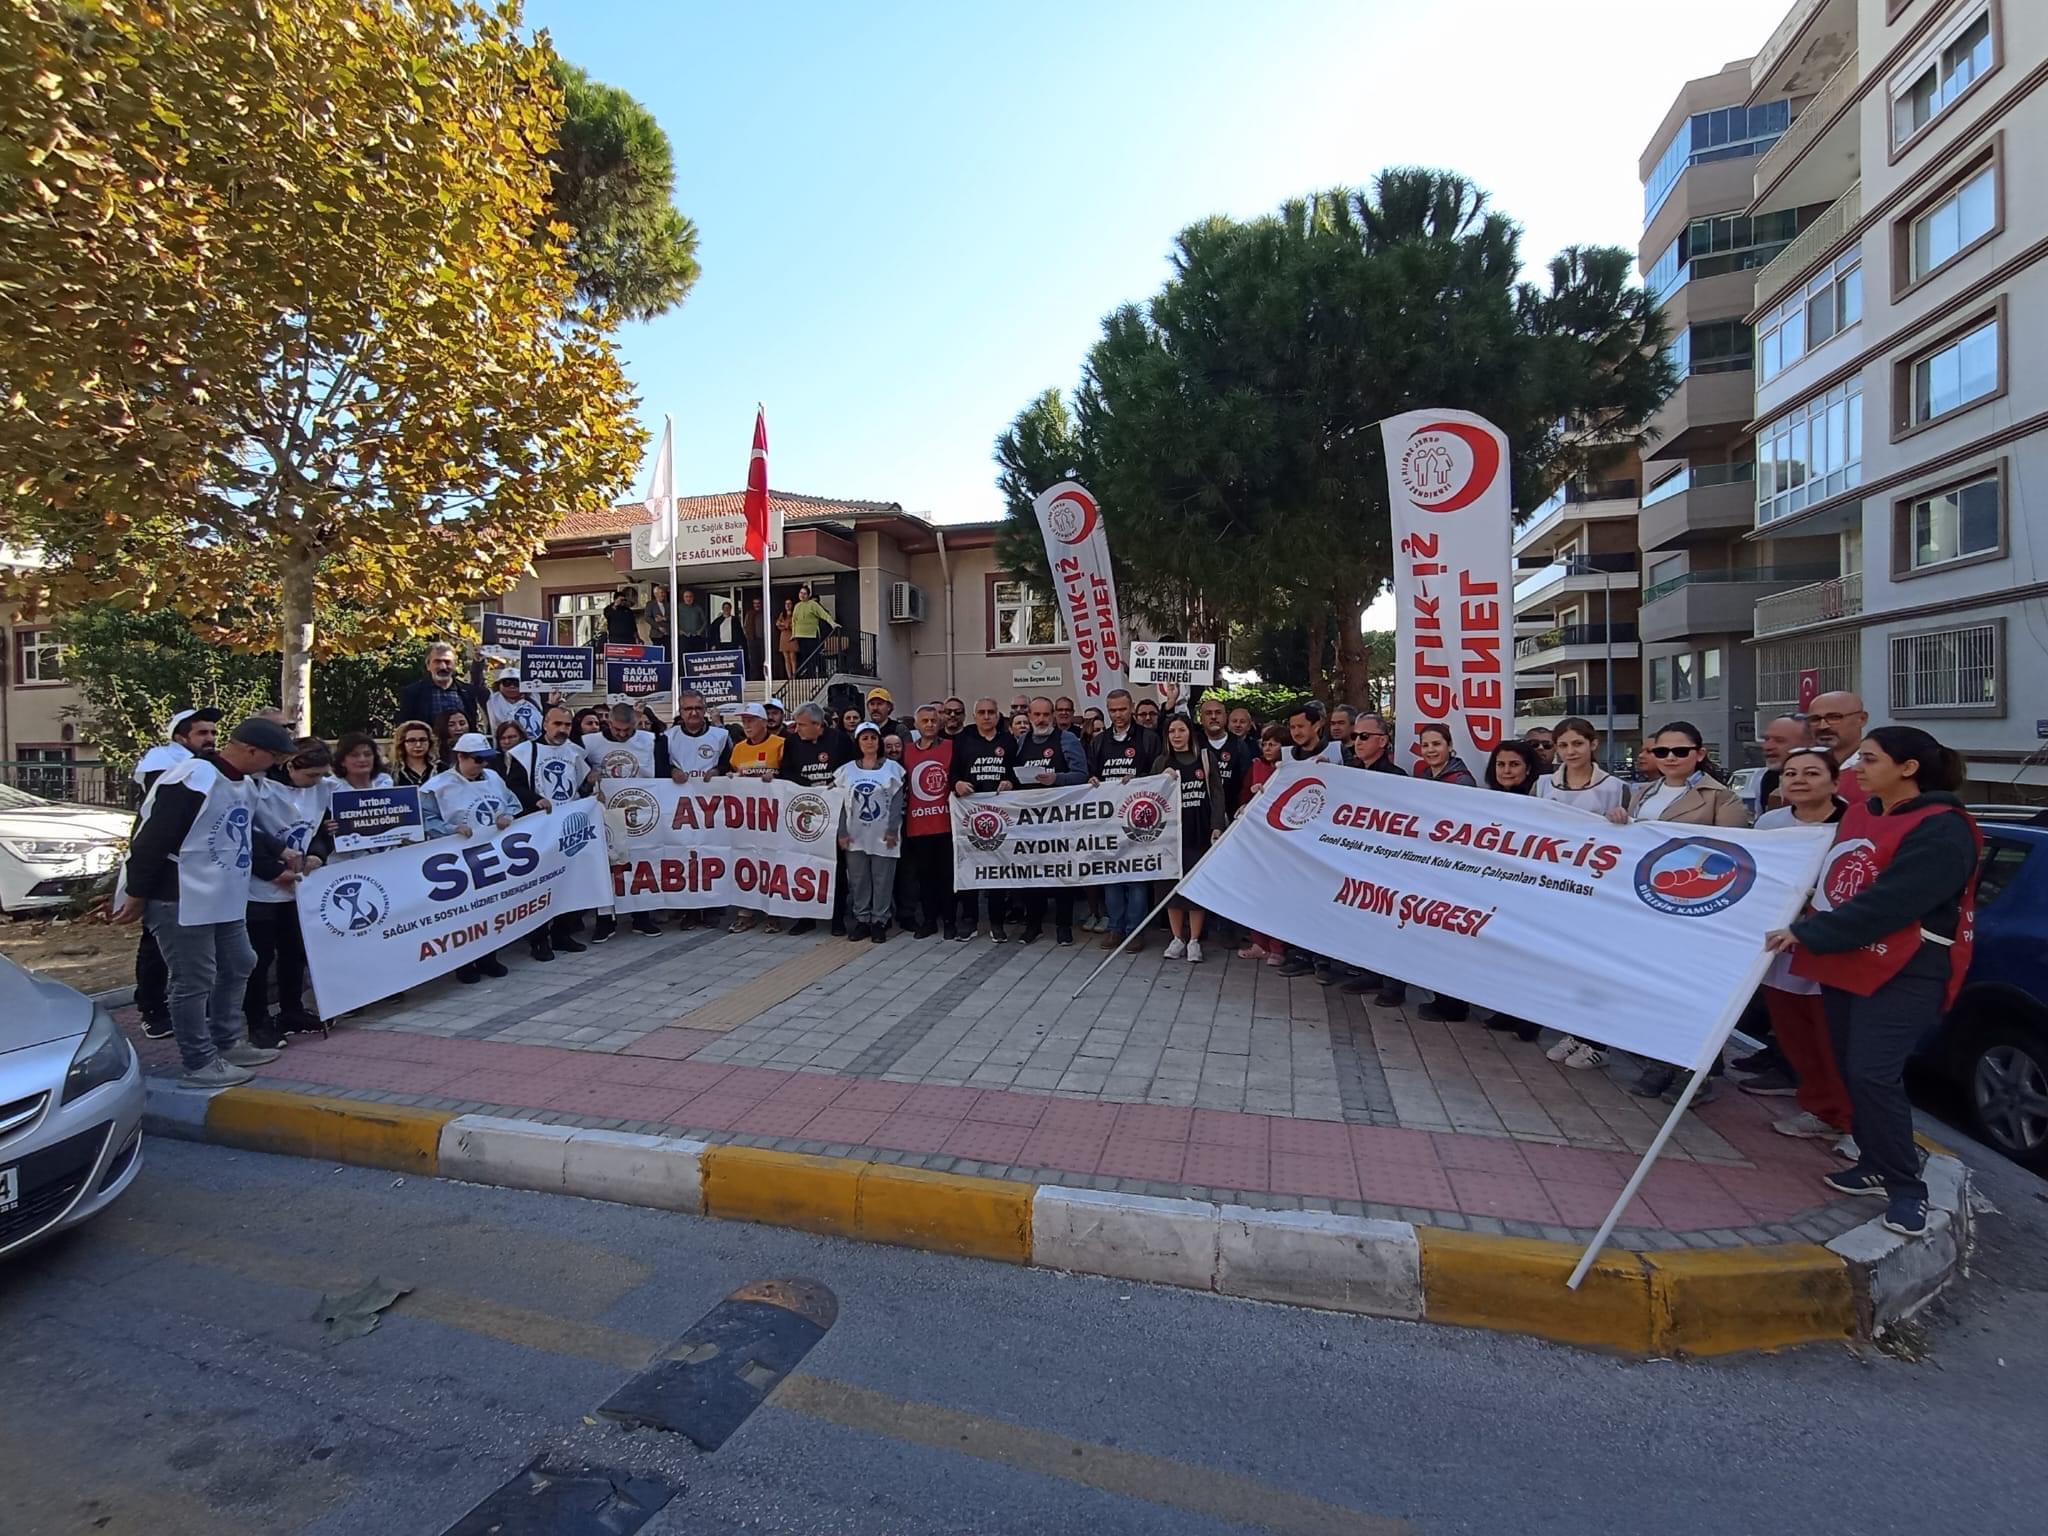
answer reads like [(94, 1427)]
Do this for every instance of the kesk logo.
[(1145, 816), (987, 828), (931, 780), (578, 830), (1694, 876), (1448, 465), (1072, 516), (1849, 868), (354, 905), (809, 815), (638, 810), (1297, 805)]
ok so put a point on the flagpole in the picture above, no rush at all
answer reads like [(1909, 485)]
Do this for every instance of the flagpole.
[(767, 593), (675, 660)]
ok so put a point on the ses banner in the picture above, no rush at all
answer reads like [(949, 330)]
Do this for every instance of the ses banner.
[(1077, 554), (719, 675), (1454, 625), (638, 679), (1491, 897), (507, 634), (366, 819), (1085, 834), (1167, 661), (760, 846), (549, 668), (389, 921)]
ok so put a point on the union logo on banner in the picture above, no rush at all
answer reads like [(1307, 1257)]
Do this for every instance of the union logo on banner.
[(639, 811), (1145, 816), (809, 817), (1297, 805), (1448, 465), (1072, 515), (354, 906), (1694, 876), (987, 828)]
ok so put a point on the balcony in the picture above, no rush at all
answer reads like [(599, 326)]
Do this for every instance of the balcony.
[(1833, 657), (1820, 153), (1571, 505), (1828, 230), (1806, 47), (1699, 504), (1536, 593), (1530, 713), (1705, 414), (1717, 602), (1574, 642), (1821, 603)]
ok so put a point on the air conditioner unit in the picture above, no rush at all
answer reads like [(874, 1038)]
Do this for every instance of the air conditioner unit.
[(906, 603)]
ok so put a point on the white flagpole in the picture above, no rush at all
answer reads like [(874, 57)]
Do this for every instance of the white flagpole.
[(668, 502), (767, 593)]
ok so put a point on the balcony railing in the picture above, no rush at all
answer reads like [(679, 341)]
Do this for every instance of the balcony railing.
[(1698, 476), (1823, 232), (1592, 705), (88, 783), (1620, 563), (1839, 598), (1754, 574), (1807, 126), (1786, 34), (1574, 634)]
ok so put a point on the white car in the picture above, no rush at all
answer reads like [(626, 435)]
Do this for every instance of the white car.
[(70, 1108), (48, 850)]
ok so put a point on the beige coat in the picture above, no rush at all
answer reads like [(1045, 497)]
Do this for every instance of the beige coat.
[(1708, 803)]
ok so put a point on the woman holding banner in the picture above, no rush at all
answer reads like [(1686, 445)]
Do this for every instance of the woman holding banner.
[(1889, 938), (290, 806), (1579, 781), (358, 764), (1439, 763), (1203, 812), (462, 801)]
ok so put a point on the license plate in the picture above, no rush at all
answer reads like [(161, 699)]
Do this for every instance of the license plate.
[(10, 1189)]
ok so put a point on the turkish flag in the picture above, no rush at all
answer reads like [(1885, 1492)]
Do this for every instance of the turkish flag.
[(757, 489)]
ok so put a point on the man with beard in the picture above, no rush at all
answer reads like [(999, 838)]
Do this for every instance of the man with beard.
[(621, 750), (1047, 758), (981, 765), (1124, 751), (811, 757), (544, 775)]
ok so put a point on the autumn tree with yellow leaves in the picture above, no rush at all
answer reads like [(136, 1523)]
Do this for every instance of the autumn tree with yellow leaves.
[(286, 329)]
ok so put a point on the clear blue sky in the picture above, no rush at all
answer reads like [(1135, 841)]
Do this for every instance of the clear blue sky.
[(914, 216)]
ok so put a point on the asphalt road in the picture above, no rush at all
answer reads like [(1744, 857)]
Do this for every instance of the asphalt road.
[(161, 1374)]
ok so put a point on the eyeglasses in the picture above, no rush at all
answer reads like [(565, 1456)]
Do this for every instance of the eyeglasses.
[(1671, 751), (1856, 714)]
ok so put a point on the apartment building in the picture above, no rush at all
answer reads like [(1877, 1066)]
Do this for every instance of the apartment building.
[(1576, 594), (1702, 246), (1900, 409)]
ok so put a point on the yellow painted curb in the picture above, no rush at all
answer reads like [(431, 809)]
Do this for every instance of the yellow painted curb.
[(1517, 1284), (784, 1189), (946, 1212), (1724, 1300), (338, 1130)]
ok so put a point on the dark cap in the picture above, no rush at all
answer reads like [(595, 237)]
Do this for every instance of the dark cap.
[(265, 736)]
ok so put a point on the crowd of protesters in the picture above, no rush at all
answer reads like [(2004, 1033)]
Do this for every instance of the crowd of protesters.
[(222, 961)]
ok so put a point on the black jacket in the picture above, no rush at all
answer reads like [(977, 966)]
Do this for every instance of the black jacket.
[(415, 702), (814, 762), (1383, 764), (1235, 757), (983, 763), (1140, 749), (152, 863), (1923, 884)]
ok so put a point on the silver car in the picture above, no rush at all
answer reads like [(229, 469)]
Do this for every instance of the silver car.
[(70, 1108)]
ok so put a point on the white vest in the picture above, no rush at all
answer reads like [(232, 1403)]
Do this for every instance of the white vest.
[(213, 861), (475, 802), (522, 709), (292, 816), (696, 757), (632, 758), (160, 758), (556, 772)]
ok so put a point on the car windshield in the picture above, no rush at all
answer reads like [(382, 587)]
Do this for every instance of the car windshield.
[(12, 799)]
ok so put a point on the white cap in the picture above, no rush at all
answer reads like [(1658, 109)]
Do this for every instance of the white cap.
[(509, 675), (773, 704), (867, 728), (470, 744), (753, 711), (177, 720)]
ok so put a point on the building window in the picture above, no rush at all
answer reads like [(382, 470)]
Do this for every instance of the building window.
[(1828, 305), (1684, 678), (1810, 453), (1957, 373), (1710, 673), (1024, 619), (40, 657), (1730, 133), (1951, 226), (1716, 346), (1936, 88), (1965, 521), (1948, 671), (1660, 679), (579, 616), (44, 771)]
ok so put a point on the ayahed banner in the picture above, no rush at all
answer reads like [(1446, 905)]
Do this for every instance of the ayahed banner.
[(763, 846), (1454, 597), (1086, 834), (1084, 587), (388, 921), (1648, 936)]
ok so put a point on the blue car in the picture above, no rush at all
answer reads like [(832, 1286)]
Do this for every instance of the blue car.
[(1993, 1046)]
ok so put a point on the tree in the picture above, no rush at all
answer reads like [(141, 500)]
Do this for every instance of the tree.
[(613, 183), (284, 328), (1230, 426)]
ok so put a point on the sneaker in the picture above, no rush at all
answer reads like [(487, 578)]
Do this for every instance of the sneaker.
[(773, 925), (1251, 952), (997, 936), (1906, 1215), (215, 1074), (1296, 965), (960, 935), (1758, 1061), (1774, 1083), (741, 923), (541, 950), (1176, 949), (1709, 1090), (1653, 1082), (1275, 958), (492, 967), (1063, 937), (1847, 1147), (926, 930), (1194, 951), (267, 1039), (300, 1022), (1856, 1181), (643, 922), (1031, 935), (1805, 1124), (1327, 975), (1584, 1056), (1561, 1047), (244, 1054), (1392, 995), (157, 1029), (802, 926), (569, 944), (607, 925)]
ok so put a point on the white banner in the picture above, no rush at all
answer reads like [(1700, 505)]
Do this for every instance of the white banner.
[(1648, 936), (1077, 554), (1164, 661), (759, 844), (1454, 595), (710, 530), (1106, 834), (388, 921)]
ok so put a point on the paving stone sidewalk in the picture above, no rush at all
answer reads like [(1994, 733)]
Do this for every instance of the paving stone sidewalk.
[(1222, 1080)]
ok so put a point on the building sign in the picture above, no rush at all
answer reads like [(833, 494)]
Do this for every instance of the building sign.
[(706, 534), (1039, 674)]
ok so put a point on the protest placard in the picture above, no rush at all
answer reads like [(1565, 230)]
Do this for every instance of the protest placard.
[(719, 675), (762, 846), (638, 679), (615, 652), (507, 634), (1168, 661), (1086, 834), (565, 668), (376, 818)]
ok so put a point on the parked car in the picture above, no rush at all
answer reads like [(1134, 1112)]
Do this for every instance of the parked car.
[(48, 851), (70, 1108), (1743, 782), (1992, 1048)]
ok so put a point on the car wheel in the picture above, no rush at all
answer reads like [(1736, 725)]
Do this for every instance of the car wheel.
[(2008, 1086)]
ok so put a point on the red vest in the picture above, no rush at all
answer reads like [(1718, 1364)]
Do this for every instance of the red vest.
[(929, 771), (1865, 844)]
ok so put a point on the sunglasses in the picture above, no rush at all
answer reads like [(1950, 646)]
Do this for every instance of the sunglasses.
[(1369, 735), (1671, 751)]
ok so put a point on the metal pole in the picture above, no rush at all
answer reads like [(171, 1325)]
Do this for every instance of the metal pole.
[(1607, 611)]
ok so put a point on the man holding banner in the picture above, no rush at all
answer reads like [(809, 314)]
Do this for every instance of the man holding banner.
[(542, 775), (1048, 758), (928, 819)]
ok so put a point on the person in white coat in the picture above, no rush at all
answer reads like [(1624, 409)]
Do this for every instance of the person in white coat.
[(871, 833), (463, 801)]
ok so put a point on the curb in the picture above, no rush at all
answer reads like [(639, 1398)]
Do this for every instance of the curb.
[(1692, 1302)]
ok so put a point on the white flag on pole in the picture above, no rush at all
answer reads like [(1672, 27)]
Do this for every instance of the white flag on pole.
[(661, 496)]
